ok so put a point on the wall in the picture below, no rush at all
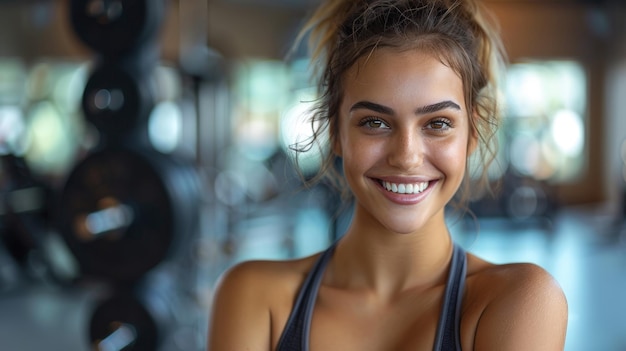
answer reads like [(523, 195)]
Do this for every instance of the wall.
[(615, 118)]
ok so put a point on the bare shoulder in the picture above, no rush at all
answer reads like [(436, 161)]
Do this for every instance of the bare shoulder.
[(247, 297), (524, 307), (261, 274), (513, 278)]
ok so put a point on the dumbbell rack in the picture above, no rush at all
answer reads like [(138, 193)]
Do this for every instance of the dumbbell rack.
[(126, 209)]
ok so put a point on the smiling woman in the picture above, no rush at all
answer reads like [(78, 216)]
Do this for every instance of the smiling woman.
[(407, 94)]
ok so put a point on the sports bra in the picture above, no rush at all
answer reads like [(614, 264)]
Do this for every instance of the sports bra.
[(295, 336)]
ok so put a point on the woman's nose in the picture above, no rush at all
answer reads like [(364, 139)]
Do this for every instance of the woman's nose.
[(406, 150)]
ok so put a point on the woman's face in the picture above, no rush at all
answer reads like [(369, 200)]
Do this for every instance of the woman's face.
[(404, 137)]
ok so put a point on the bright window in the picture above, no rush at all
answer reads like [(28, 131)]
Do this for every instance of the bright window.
[(544, 125)]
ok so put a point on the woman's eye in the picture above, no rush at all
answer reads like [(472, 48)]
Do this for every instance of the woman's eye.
[(374, 123), (439, 124)]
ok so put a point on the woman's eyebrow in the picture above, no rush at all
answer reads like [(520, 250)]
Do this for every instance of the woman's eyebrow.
[(368, 105), (447, 104)]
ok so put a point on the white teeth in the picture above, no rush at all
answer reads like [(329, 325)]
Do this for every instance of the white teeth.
[(405, 188)]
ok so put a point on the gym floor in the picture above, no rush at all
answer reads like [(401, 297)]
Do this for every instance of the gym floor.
[(580, 247)]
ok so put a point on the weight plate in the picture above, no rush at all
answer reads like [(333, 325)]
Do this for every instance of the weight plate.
[(123, 323), (117, 101), (124, 211), (113, 27)]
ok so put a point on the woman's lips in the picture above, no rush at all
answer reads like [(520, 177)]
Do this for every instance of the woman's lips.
[(405, 192)]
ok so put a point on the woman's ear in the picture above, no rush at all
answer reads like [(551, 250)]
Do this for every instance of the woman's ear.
[(336, 147), (336, 143), (472, 143)]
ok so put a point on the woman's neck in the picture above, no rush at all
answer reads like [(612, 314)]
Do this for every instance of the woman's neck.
[(369, 257)]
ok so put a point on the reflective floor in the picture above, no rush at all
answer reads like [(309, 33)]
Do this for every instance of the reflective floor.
[(581, 247)]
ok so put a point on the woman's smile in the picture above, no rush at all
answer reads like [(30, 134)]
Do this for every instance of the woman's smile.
[(405, 192)]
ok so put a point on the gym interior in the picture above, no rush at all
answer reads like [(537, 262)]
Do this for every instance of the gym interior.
[(145, 148)]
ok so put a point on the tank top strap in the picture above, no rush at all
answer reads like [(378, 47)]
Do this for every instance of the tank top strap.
[(448, 328), (295, 336)]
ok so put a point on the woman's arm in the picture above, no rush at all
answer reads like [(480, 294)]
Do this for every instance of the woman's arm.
[(528, 313), (240, 314)]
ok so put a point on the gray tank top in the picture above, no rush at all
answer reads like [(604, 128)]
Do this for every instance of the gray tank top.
[(295, 336)]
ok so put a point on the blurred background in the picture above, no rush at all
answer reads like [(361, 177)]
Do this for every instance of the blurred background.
[(144, 149)]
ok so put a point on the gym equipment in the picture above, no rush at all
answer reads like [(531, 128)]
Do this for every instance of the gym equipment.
[(141, 316), (519, 198), (117, 27), (122, 211), (124, 322), (118, 99), (126, 211), (24, 210)]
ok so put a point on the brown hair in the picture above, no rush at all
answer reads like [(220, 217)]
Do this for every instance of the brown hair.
[(456, 31)]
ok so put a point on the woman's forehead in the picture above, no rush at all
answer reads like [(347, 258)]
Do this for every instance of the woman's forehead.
[(387, 71), (415, 53)]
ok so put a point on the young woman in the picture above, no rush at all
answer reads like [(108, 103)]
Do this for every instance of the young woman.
[(407, 94)]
